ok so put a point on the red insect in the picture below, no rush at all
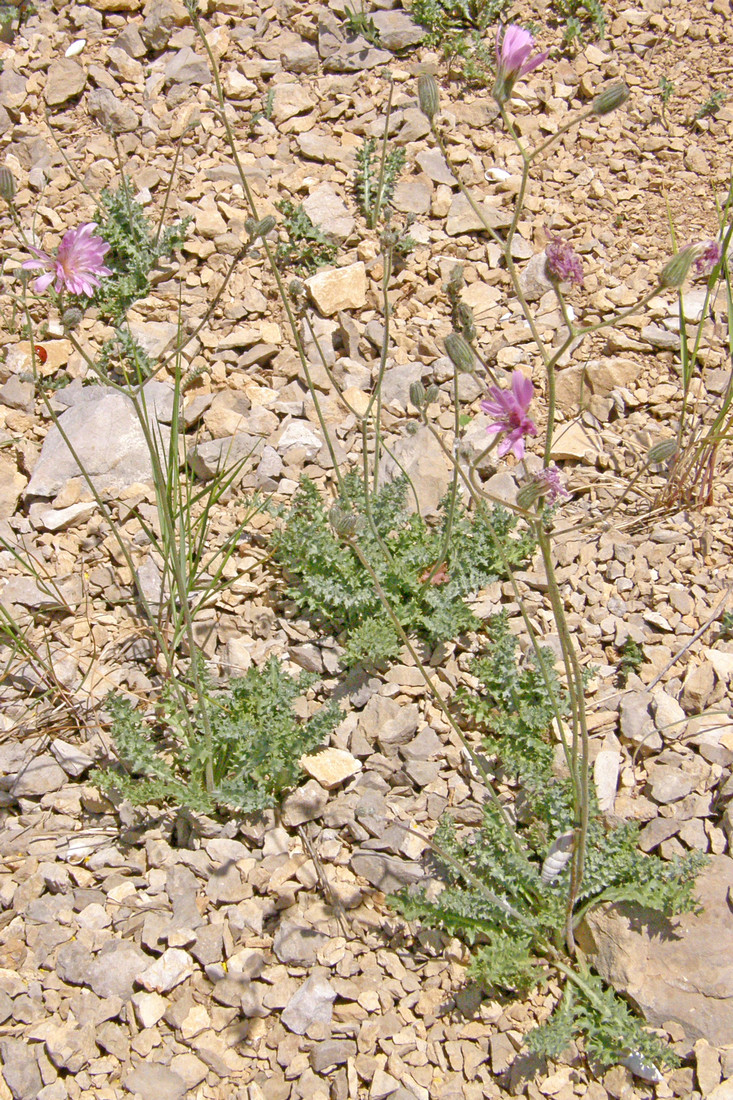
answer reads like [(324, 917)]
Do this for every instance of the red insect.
[(41, 354)]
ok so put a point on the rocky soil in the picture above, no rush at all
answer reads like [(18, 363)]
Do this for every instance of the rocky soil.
[(161, 957)]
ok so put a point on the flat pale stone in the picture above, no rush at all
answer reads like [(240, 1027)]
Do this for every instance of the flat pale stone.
[(338, 288), (331, 767), (605, 776), (576, 441), (173, 967), (66, 79), (462, 218)]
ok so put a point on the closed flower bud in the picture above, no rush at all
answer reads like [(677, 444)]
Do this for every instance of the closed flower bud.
[(611, 99), (529, 494), (343, 522), (427, 95), (417, 394), (662, 451), (71, 318), (7, 184), (432, 393), (459, 352), (262, 228), (676, 270)]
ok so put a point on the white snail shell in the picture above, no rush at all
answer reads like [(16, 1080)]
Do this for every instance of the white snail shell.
[(640, 1067), (558, 857)]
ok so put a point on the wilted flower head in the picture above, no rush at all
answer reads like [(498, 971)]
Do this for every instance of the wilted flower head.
[(508, 408), (552, 480), (563, 264), (77, 265), (513, 59), (704, 255), (709, 258)]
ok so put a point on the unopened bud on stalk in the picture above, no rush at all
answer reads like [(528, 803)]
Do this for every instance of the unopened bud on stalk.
[(459, 352), (71, 318), (676, 270), (611, 99), (296, 290), (7, 184), (529, 494), (262, 228), (417, 394), (432, 393), (427, 95), (343, 522), (662, 451)]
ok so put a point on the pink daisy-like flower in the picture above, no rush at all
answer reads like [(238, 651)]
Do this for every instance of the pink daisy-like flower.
[(513, 50), (709, 257), (508, 408), (77, 265), (563, 263)]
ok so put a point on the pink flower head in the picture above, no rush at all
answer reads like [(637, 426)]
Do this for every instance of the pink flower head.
[(563, 264), (513, 59), (77, 265), (709, 257), (508, 408)]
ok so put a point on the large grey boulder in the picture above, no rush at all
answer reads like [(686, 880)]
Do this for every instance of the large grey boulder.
[(104, 431)]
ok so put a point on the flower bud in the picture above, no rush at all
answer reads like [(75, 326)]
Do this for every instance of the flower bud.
[(427, 95), (343, 522), (71, 318), (296, 291), (7, 184), (432, 393), (608, 101), (529, 494), (459, 352), (662, 451), (417, 394), (676, 270), (262, 228)]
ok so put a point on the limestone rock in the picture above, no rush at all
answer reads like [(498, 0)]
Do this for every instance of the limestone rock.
[(576, 441), (12, 484), (331, 767), (678, 970), (329, 212), (313, 1002), (421, 458), (463, 219), (156, 1082), (297, 944), (290, 100), (187, 67), (105, 433), (161, 19), (172, 968), (66, 80), (112, 113), (397, 30), (338, 288)]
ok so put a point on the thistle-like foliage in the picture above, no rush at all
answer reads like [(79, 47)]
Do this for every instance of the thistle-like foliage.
[(367, 182), (496, 896), (257, 743), (514, 706), (328, 581), (135, 249)]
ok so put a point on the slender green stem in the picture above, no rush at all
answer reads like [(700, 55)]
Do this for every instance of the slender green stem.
[(375, 212)]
